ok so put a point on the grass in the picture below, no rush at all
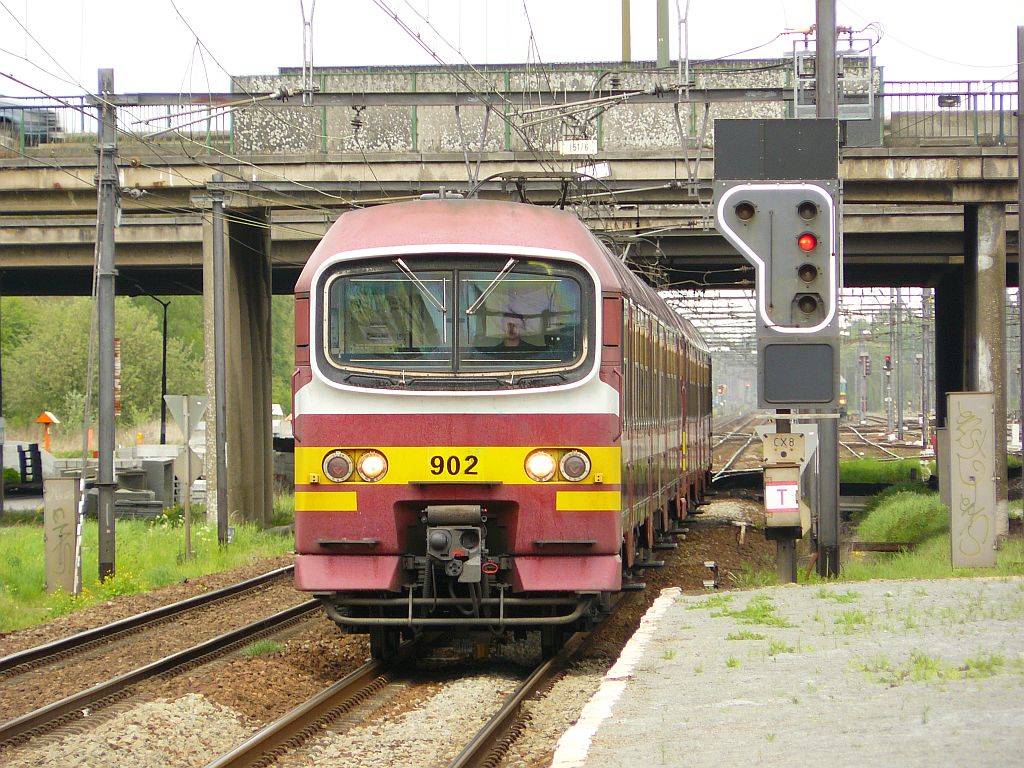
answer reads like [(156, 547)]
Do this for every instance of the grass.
[(759, 610), (924, 668), (746, 635), (837, 597), (907, 513), (146, 556), (905, 517), (877, 471), (261, 648), (775, 647)]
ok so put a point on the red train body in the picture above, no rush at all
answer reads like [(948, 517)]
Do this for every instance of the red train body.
[(494, 420)]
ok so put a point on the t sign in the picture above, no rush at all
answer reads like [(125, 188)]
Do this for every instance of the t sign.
[(781, 497)]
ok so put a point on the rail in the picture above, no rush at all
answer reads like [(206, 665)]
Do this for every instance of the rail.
[(66, 645), (80, 704)]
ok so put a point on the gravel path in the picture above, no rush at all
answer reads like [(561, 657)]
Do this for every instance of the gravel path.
[(927, 673)]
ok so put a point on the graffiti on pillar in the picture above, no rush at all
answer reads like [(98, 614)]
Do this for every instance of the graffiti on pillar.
[(973, 482)]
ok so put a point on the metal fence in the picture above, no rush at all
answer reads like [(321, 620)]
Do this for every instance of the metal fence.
[(979, 112), (925, 113), (26, 125)]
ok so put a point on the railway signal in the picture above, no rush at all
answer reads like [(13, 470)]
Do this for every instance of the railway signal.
[(788, 232)]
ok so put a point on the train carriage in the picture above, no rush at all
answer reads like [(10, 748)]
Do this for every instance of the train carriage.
[(494, 420)]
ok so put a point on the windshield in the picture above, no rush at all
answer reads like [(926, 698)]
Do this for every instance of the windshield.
[(460, 320)]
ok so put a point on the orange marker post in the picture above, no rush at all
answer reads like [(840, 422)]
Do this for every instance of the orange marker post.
[(46, 419)]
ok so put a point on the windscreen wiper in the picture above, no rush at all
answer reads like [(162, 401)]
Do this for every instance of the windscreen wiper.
[(420, 285), (509, 265)]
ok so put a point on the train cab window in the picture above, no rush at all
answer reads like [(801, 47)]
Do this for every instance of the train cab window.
[(452, 322), (387, 320), (519, 320)]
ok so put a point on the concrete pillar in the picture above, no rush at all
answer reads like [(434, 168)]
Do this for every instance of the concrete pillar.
[(949, 340), (248, 359), (985, 262)]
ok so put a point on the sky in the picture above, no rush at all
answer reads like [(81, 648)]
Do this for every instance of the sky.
[(170, 46)]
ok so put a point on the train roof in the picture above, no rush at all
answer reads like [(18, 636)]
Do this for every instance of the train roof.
[(459, 222), (483, 223)]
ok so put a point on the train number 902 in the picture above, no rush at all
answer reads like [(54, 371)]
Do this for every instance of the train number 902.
[(453, 465)]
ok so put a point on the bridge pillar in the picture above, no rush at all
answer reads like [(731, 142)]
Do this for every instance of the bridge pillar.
[(248, 362), (985, 283), (949, 339)]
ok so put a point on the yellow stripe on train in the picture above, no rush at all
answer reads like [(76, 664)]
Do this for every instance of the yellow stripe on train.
[(587, 501), (462, 464), (325, 501)]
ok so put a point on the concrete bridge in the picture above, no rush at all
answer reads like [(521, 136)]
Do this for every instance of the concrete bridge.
[(918, 210)]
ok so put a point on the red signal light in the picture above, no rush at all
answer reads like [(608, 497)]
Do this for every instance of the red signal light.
[(807, 242)]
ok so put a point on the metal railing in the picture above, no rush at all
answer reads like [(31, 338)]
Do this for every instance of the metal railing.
[(978, 112), (28, 125), (920, 113)]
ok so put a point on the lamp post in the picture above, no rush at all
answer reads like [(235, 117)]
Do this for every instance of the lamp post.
[(163, 372)]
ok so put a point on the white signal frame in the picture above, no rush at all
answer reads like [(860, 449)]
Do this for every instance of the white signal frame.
[(812, 190)]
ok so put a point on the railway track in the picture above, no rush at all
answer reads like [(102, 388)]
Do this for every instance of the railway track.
[(31, 658), (97, 697), (364, 693), (37, 676)]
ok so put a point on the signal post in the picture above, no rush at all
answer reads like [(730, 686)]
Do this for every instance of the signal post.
[(777, 202)]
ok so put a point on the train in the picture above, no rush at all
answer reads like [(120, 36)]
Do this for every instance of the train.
[(496, 422)]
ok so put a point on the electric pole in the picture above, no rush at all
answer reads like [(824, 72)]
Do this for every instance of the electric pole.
[(106, 151)]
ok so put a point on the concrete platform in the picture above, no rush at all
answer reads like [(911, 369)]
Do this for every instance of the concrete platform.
[(927, 673)]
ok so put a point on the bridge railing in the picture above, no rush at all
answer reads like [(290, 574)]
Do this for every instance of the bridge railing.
[(978, 112), (62, 124), (914, 113)]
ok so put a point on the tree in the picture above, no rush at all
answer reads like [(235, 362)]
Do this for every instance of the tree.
[(48, 368)]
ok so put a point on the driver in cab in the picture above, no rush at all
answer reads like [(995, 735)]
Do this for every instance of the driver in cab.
[(513, 326)]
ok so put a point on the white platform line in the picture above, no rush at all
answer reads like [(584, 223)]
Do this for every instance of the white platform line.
[(572, 748)]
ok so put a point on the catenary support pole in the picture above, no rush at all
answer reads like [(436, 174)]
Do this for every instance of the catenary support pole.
[(627, 54), (828, 429), (220, 370), (107, 152), (1020, 208)]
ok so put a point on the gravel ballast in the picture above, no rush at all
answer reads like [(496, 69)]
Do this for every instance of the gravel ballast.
[(905, 673)]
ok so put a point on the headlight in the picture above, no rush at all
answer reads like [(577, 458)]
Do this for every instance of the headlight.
[(540, 466), (574, 466), (372, 466), (338, 466)]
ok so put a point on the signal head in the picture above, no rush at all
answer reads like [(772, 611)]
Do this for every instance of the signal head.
[(807, 273), (807, 210), (744, 210)]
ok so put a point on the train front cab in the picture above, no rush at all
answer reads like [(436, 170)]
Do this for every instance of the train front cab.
[(499, 503)]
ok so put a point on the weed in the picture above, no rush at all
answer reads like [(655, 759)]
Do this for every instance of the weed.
[(261, 648), (852, 621), (760, 610), (749, 578), (669, 654), (732, 662), (746, 635), (778, 646), (698, 668), (837, 597), (983, 666), (715, 601)]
